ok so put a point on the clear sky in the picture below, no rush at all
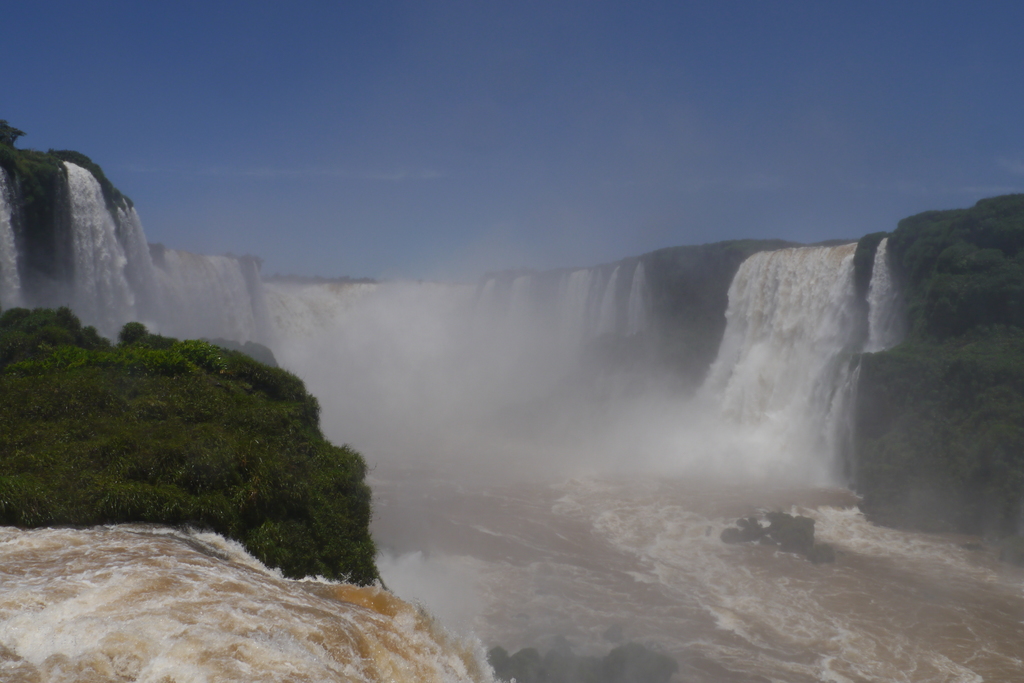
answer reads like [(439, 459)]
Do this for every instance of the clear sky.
[(441, 139)]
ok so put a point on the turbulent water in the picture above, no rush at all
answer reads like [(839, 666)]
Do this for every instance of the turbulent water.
[(524, 491), (137, 603), (587, 558)]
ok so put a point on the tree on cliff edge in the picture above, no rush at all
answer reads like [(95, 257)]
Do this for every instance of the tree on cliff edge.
[(8, 133)]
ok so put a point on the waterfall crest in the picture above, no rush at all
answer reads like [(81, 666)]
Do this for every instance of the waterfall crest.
[(10, 281), (791, 320)]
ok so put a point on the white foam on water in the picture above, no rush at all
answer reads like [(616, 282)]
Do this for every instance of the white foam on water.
[(138, 603)]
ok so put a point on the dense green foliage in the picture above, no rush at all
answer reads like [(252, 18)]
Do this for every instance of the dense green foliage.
[(8, 133), (689, 289), (40, 184), (940, 418), (174, 432)]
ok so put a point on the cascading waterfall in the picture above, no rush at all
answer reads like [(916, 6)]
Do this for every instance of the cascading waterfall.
[(139, 270), (519, 303), (608, 313), (211, 296), (792, 316), (573, 300), (102, 295), (885, 322), (10, 281), (636, 308)]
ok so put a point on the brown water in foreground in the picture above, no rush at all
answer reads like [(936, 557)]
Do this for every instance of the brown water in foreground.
[(138, 603), (534, 561), (584, 556)]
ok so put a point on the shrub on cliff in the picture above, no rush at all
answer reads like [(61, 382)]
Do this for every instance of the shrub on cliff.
[(940, 418), (174, 432)]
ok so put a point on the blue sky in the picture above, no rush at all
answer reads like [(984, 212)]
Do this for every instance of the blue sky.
[(443, 139)]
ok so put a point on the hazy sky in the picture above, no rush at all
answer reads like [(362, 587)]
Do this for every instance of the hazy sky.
[(441, 139)]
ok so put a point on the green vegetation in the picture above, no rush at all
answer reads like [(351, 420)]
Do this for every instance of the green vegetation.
[(174, 432), (8, 133), (940, 418)]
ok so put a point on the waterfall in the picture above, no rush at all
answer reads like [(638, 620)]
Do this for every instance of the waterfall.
[(520, 304), (608, 313), (102, 295), (636, 308), (790, 321), (885, 323), (210, 296), (573, 300), (139, 267), (10, 282)]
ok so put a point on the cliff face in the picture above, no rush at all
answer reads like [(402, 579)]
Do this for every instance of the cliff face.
[(939, 423)]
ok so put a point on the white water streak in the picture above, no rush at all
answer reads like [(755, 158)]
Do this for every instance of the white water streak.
[(10, 281), (572, 305), (101, 292), (885, 324), (608, 315), (636, 308), (207, 296)]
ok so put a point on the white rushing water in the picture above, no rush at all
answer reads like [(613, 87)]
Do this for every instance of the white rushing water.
[(139, 270), (885, 319), (153, 605), (10, 280), (210, 296), (102, 295), (790, 323), (636, 308), (573, 302), (608, 313)]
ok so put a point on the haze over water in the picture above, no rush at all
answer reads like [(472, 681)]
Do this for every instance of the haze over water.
[(536, 477)]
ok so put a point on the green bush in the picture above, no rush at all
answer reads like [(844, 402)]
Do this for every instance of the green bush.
[(184, 433), (939, 439)]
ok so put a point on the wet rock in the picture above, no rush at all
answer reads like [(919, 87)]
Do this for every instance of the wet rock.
[(821, 553), (749, 530), (792, 534), (629, 663)]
